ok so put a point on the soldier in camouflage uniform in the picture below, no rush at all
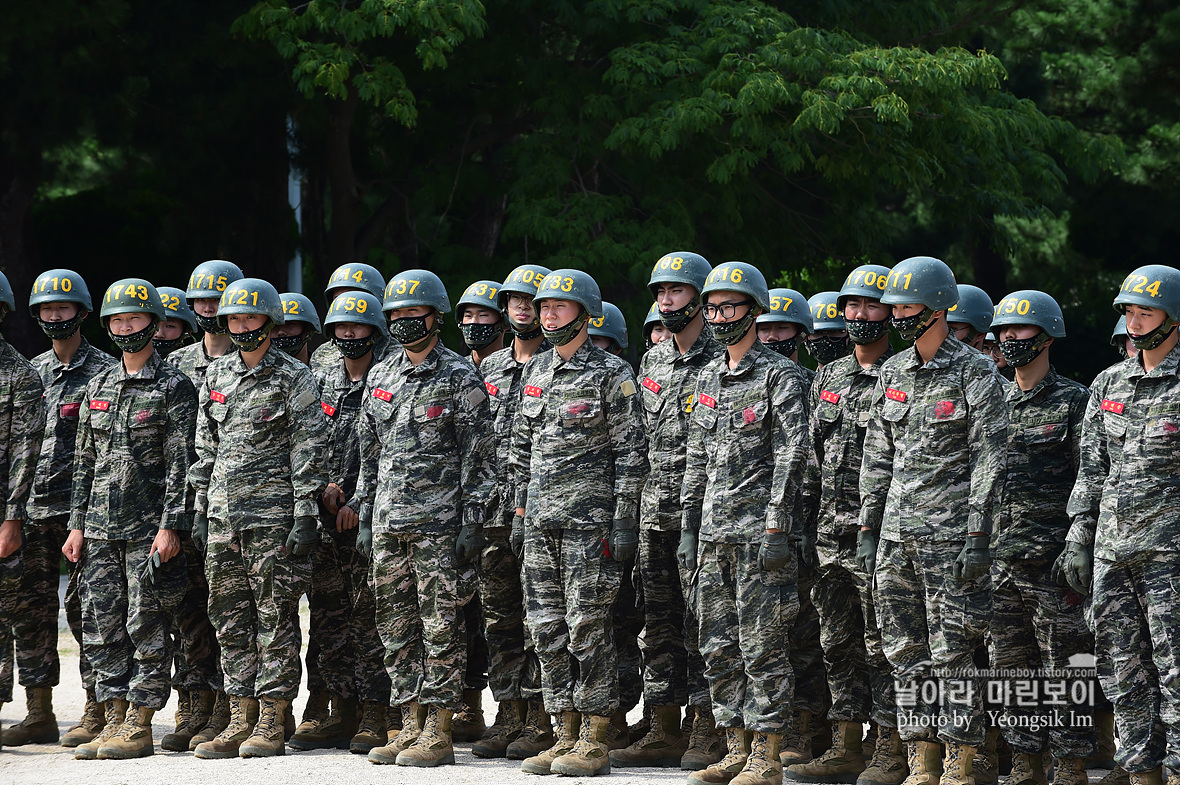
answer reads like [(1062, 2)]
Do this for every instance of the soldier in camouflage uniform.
[(22, 423), (354, 277), (578, 454), (522, 728), (302, 322), (674, 672), (134, 447), (202, 707), (933, 475), (1124, 526), (971, 317), (59, 302), (654, 331), (1121, 341), (180, 328), (828, 341), (749, 442), (425, 479), (1037, 624), (859, 681), (258, 477), (349, 663)]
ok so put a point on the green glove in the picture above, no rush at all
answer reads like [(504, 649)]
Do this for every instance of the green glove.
[(623, 539), (470, 542), (775, 551), (866, 551), (686, 552), (200, 532), (364, 538), (806, 549), (516, 536), (975, 558), (150, 566), (303, 537), (1074, 568)]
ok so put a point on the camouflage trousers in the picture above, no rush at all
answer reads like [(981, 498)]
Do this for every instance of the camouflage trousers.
[(628, 620), (807, 653), (127, 620), (10, 586), (197, 658), (254, 591), (1036, 625), (673, 669), (344, 651), (570, 587), (34, 619), (1137, 639), (746, 618), (420, 593), (859, 679), (513, 670), (931, 626)]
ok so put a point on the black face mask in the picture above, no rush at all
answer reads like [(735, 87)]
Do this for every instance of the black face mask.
[(477, 336), (863, 332), (785, 348), (677, 320), (1154, 338), (525, 332), (411, 331), (252, 339), (291, 344), (1019, 352), (827, 348), (355, 348), (563, 335), (60, 331), (211, 324), (731, 333), (135, 342), (166, 346), (911, 328)]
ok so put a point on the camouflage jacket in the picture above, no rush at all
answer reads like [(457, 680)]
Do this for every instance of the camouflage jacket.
[(135, 444), (327, 356), (341, 399), (260, 437), (667, 381), (1044, 439), (936, 448), (65, 387), (425, 436), (578, 448), (502, 373), (1125, 500), (748, 443), (193, 361), (22, 424), (841, 406)]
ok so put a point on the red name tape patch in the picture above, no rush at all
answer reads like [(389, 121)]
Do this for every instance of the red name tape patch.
[(531, 391), (830, 397), (493, 390), (384, 395), (1112, 406), (895, 395), (70, 409), (216, 396), (100, 406), (708, 400), (651, 384), (328, 408)]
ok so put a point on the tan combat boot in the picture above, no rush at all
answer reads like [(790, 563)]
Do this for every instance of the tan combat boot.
[(1116, 776), (841, 763), (373, 729), (957, 763), (536, 737), (133, 739), (116, 712), (871, 735), (1028, 769), (433, 747), (315, 712), (705, 745), (243, 714), (663, 747), (189, 723), (510, 719), (763, 767), (413, 718), (92, 722), (796, 741), (39, 726), (925, 763), (737, 745), (332, 731), (565, 736), (888, 765), (640, 729), (218, 721), (590, 755), (267, 740), (1103, 757), (985, 768), (468, 723), (1072, 771), (1151, 777)]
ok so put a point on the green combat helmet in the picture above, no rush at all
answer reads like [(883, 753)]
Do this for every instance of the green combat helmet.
[(176, 307), (409, 289), (525, 280), (1118, 339), (132, 295), (684, 267), (6, 298), (744, 279), (790, 307), (251, 296), (868, 280), (356, 276), (60, 286), (1152, 286), (297, 308), (920, 280), (356, 308), (484, 294), (612, 325), (208, 281), (973, 309), (829, 339), (649, 323), (574, 286), (1028, 307)]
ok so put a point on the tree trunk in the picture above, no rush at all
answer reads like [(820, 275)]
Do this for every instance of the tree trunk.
[(342, 182)]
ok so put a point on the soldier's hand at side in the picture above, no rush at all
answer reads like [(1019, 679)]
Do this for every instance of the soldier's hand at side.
[(624, 539), (302, 539), (72, 550), (470, 543), (346, 518), (806, 549), (686, 552), (364, 539), (1075, 567), (775, 551), (974, 560), (516, 534), (333, 497), (866, 551), (9, 538), (167, 544), (200, 532)]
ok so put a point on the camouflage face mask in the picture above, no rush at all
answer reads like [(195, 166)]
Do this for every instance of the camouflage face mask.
[(911, 328), (477, 336), (166, 346), (1150, 340), (60, 331), (677, 320), (785, 348), (211, 324), (826, 348), (135, 342), (1019, 352), (730, 333), (864, 331), (291, 344), (251, 339), (563, 335)]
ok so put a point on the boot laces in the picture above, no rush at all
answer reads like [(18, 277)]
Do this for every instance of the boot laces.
[(699, 737), (880, 759), (268, 721), (372, 718)]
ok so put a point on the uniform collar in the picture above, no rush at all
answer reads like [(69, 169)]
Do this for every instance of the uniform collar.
[(1014, 393), (948, 350), (403, 365), (848, 365), (264, 365), (1167, 367), (149, 370), (579, 358), (756, 353), (77, 360), (704, 341)]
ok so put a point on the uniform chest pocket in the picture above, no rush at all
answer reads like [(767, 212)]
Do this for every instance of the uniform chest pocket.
[(1162, 428), (101, 419), (829, 416), (653, 401), (267, 410), (1047, 434), (432, 413), (948, 412), (581, 412), (704, 416), (1115, 426), (751, 416), (532, 406), (145, 416), (894, 411)]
